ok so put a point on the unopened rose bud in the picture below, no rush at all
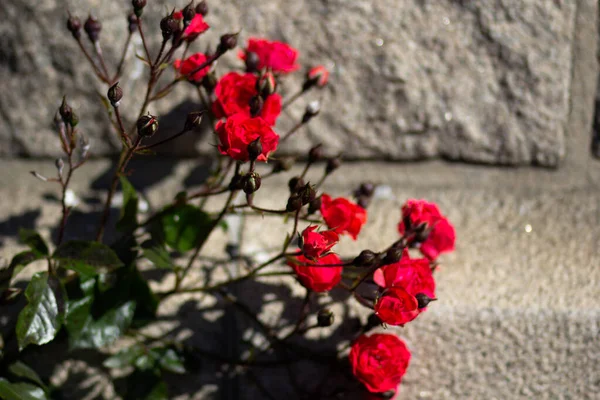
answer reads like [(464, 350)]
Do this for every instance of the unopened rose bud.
[(423, 300), (209, 82), (283, 164), (392, 256), (169, 26), (74, 119), (193, 120), (255, 149), (188, 12), (366, 258), (256, 105), (252, 61), (332, 165), (266, 84), (202, 8), (132, 23), (295, 184), (294, 203), (314, 206), (138, 7), (366, 189), (60, 164), (251, 182), (65, 111), (92, 27), (147, 125), (74, 26), (325, 317), (315, 154), (307, 194), (312, 109), (227, 42), (115, 94), (317, 76)]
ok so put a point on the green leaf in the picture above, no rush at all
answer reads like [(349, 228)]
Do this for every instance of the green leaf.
[(170, 361), (87, 258), (159, 392), (40, 320), (128, 218), (104, 331), (78, 315), (124, 357), (185, 226), (22, 370), (33, 239), (20, 391), (159, 257)]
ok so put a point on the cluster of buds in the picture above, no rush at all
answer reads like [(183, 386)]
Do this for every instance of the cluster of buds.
[(301, 194)]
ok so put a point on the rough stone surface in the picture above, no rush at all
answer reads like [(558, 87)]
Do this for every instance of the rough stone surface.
[(487, 81)]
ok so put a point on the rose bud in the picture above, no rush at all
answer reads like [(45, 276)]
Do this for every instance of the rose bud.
[(363, 201), (423, 300), (393, 255), (366, 189), (193, 120), (316, 76), (315, 154), (294, 203), (314, 206), (254, 149), (266, 84), (74, 119), (366, 258), (169, 26), (138, 7), (115, 94), (147, 125), (202, 8), (332, 165), (307, 194), (60, 164), (74, 26), (92, 27), (65, 111), (325, 317), (188, 13), (227, 42), (251, 182), (252, 61), (283, 164), (295, 184), (256, 105), (312, 109), (132, 21)]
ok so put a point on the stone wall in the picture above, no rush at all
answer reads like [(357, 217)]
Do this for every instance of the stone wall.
[(490, 81)]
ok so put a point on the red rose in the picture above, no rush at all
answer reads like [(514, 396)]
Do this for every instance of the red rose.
[(441, 238), (190, 64), (278, 56), (195, 28), (233, 93), (342, 215), (319, 75), (318, 279), (396, 306), (314, 244), (238, 131), (413, 274), (379, 361)]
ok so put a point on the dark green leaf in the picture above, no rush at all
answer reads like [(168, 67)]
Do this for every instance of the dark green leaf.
[(40, 320), (159, 392), (146, 360), (185, 226), (159, 257), (170, 361), (33, 239), (87, 258), (22, 370), (124, 357), (21, 260), (20, 391), (78, 315), (104, 331), (128, 218)]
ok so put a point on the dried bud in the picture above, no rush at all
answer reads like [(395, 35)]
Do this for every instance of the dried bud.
[(325, 317), (295, 184), (366, 258), (255, 149), (256, 105), (392, 256), (366, 189), (314, 206), (294, 203), (423, 300), (251, 182), (266, 84), (74, 26), (332, 165), (65, 111), (252, 61), (227, 42), (169, 26), (209, 82), (188, 13), (312, 109), (315, 154), (147, 125), (115, 94), (307, 194), (202, 8), (133, 23), (236, 182), (138, 7), (316, 76), (193, 120), (92, 27), (363, 201), (283, 164), (60, 164)]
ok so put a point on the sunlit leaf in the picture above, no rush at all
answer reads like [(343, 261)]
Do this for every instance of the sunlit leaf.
[(159, 257), (185, 226), (20, 391), (124, 357)]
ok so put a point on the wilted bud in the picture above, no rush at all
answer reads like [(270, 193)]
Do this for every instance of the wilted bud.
[(147, 125), (315, 154), (314, 206), (115, 94), (423, 300), (307, 194), (74, 26), (65, 111), (332, 165), (255, 149), (202, 8), (283, 164), (252, 61), (251, 182), (227, 42), (393, 255), (312, 109), (169, 26), (295, 184), (188, 13), (266, 84), (209, 82), (193, 120), (138, 7), (366, 258), (132, 21), (256, 105), (294, 203), (92, 27), (236, 182), (59, 163), (317, 76), (325, 317)]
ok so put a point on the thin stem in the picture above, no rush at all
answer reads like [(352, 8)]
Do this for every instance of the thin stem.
[(164, 140), (92, 63), (101, 58), (141, 31), (123, 133), (162, 48), (292, 99), (122, 61), (291, 131), (65, 210)]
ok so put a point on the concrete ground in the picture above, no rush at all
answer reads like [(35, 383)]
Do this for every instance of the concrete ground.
[(518, 315)]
